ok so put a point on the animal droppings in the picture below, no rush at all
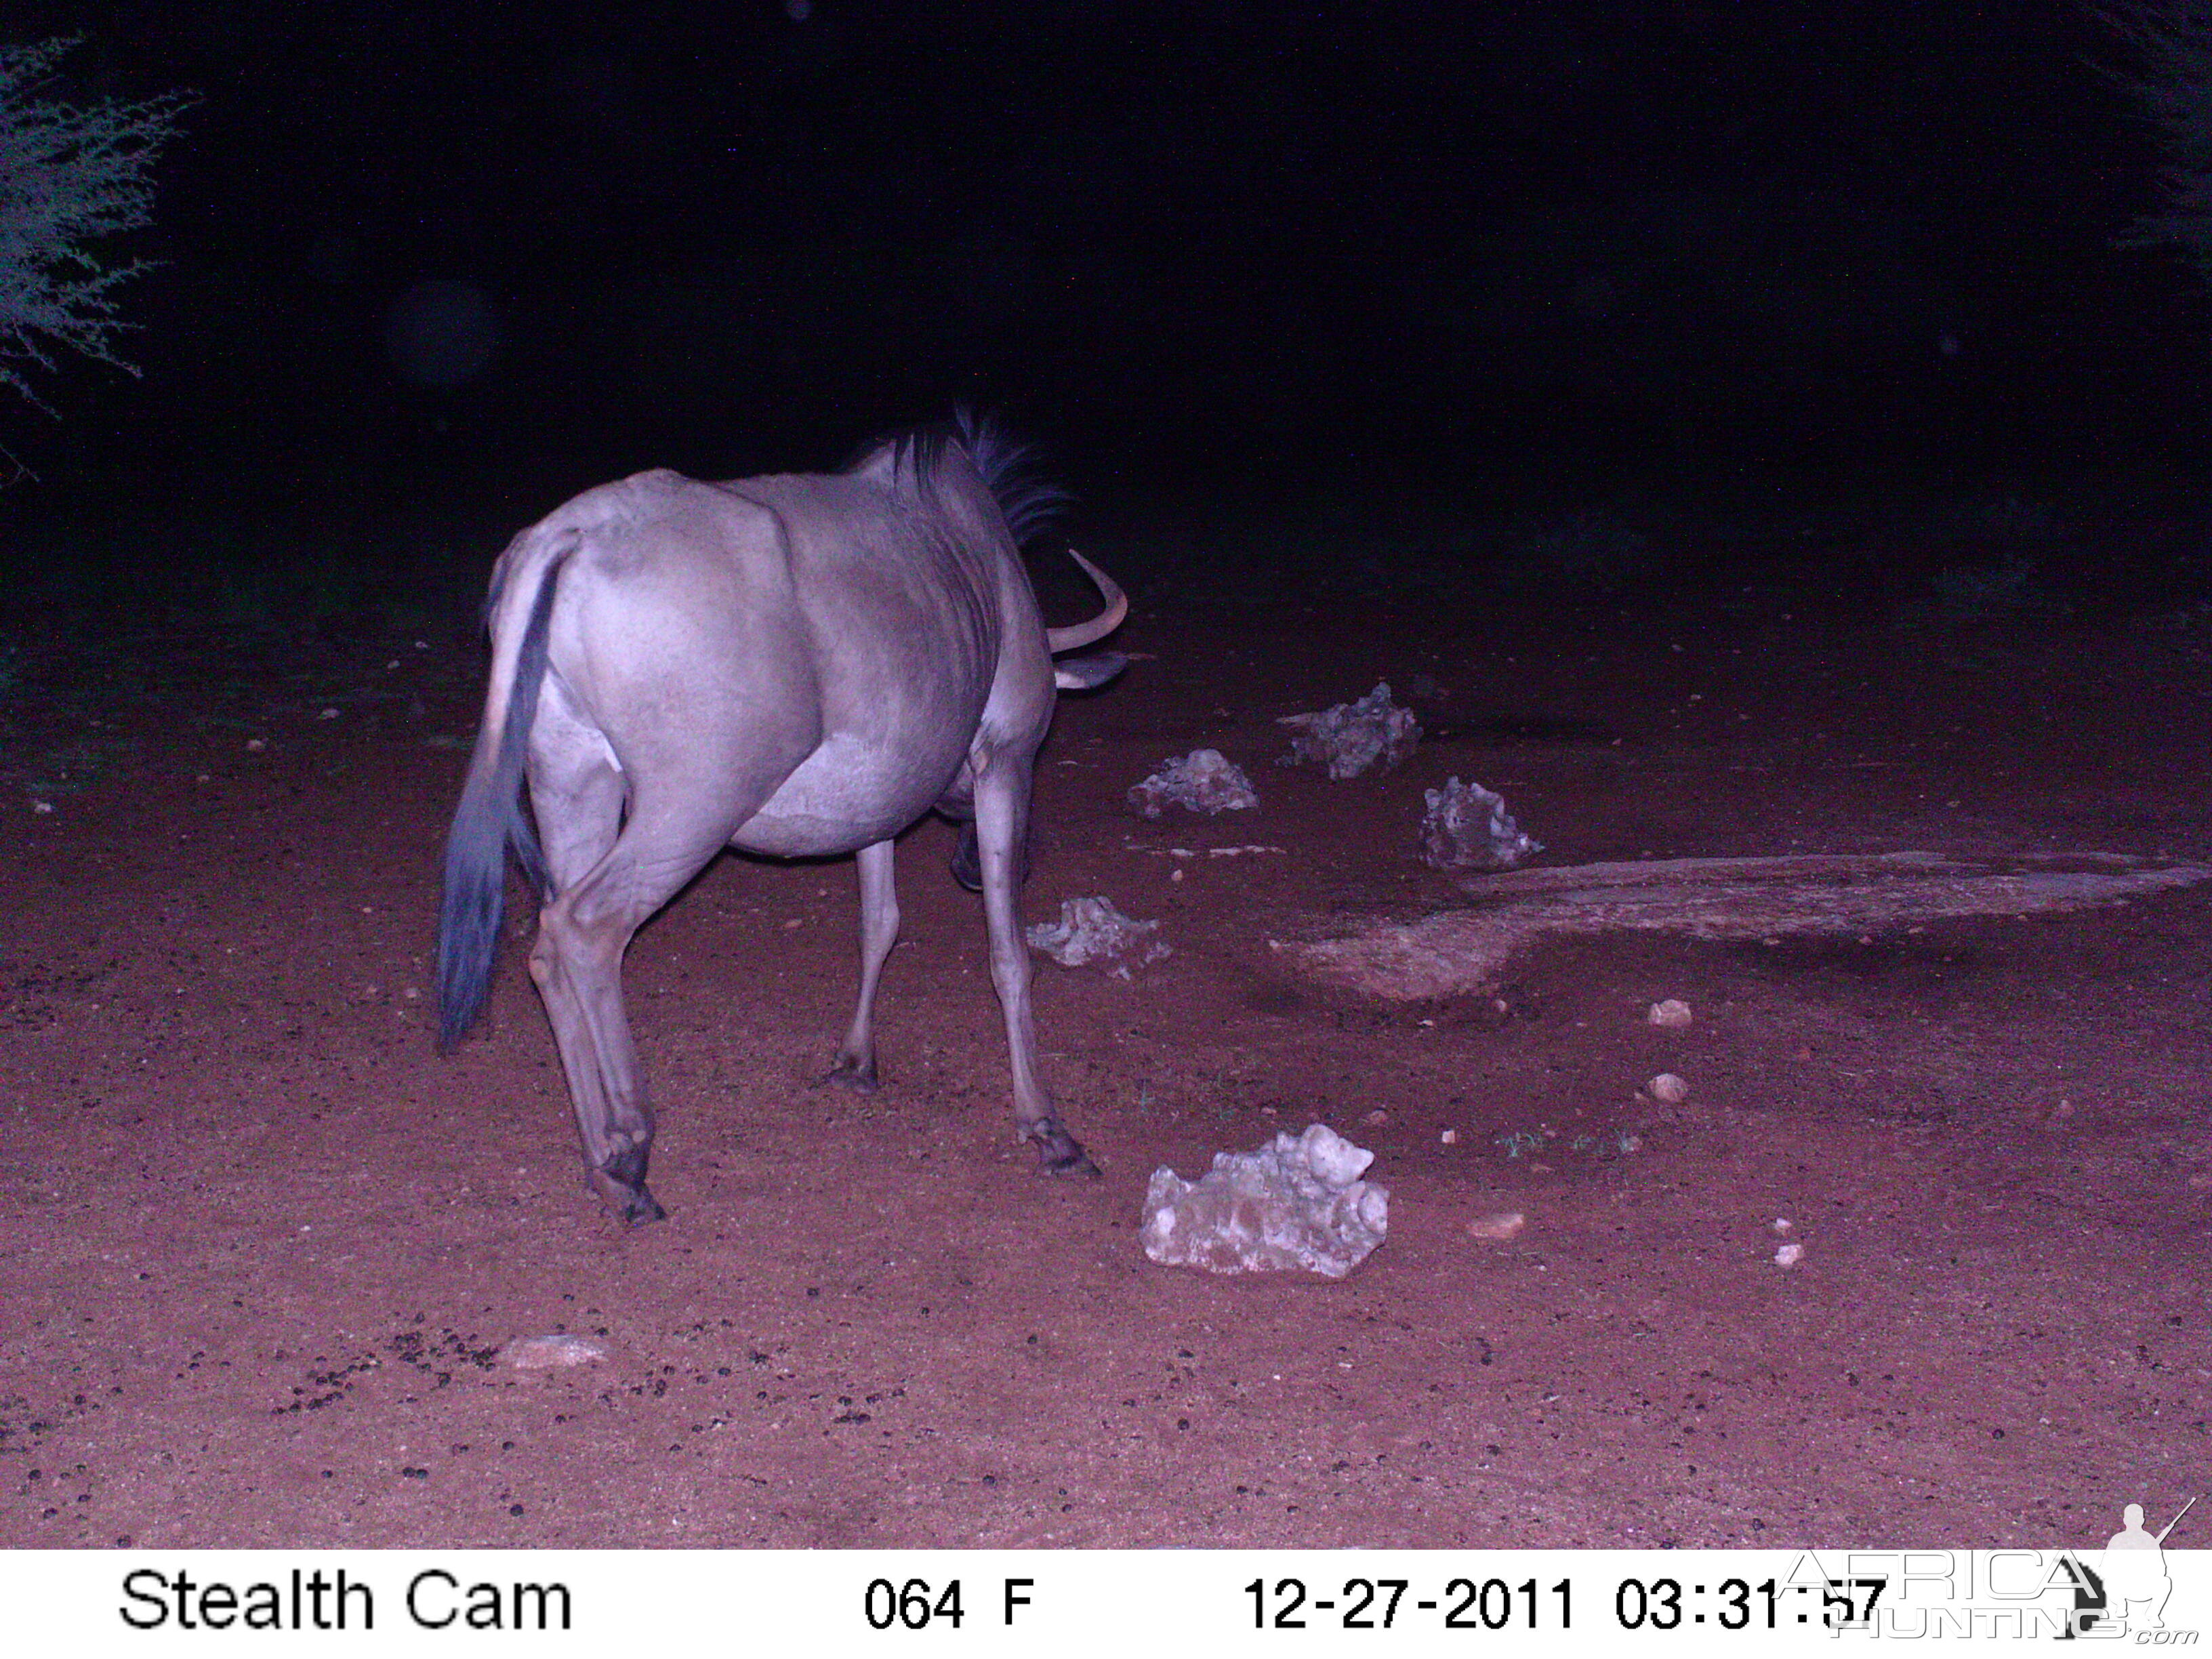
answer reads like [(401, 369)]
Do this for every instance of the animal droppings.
[(1298, 1202), (1501, 1226), (1468, 828), (1352, 736), (1091, 933), (1667, 1089), (1204, 781), (1674, 1013), (539, 1353)]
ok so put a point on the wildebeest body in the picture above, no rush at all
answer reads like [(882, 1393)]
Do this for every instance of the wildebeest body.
[(793, 665)]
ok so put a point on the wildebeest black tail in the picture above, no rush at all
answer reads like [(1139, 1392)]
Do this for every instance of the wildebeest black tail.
[(490, 818)]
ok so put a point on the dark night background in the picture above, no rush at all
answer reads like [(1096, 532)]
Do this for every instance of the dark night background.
[(1233, 253)]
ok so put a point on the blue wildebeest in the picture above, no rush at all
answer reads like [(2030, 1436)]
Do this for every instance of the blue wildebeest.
[(793, 665)]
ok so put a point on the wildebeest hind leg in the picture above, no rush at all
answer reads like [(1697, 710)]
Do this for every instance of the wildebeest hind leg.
[(577, 964)]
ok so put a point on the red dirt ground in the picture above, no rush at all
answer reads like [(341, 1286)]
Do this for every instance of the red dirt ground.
[(262, 1243)]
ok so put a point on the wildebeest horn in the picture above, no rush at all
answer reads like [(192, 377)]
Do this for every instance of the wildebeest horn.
[(1082, 633)]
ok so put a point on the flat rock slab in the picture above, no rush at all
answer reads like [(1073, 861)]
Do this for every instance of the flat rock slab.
[(1459, 952)]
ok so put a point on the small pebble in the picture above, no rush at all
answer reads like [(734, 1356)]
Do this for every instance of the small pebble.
[(1673, 1011), (1375, 1119), (538, 1353), (255, 745), (1500, 1224), (1450, 1137), (1788, 1255), (1782, 1224), (1667, 1089)]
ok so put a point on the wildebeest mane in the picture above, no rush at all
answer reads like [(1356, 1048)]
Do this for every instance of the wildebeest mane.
[(1028, 501)]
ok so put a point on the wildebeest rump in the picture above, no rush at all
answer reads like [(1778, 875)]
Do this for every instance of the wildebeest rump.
[(794, 665)]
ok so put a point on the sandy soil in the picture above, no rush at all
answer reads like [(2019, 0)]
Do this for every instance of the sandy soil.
[(264, 1245)]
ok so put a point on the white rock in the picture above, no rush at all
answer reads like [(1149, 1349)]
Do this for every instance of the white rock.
[(1468, 828), (1673, 1011), (1788, 1255), (1298, 1202), (1348, 740), (1204, 781), (538, 1353), (1502, 1225), (1091, 932), (1667, 1089)]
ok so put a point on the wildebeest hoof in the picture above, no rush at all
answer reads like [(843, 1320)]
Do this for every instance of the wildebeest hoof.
[(845, 1073), (631, 1202), (1060, 1153)]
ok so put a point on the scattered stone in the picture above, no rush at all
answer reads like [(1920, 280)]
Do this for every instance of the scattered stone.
[(42, 806), (255, 745), (1501, 1224), (1788, 1255), (1450, 1137), (1674, 1013), (1349, 739), (1468, 828), (539, 1353), (1667, 1089), (1091, 932), (1375, 1119), (1298, 1202), (1782, 1224), (1204, 781)]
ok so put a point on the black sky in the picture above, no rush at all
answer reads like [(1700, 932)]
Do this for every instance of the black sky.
[(1197, 239)]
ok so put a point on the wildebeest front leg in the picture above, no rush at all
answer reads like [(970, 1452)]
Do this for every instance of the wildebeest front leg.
[(1002, 794), (879, 924)]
